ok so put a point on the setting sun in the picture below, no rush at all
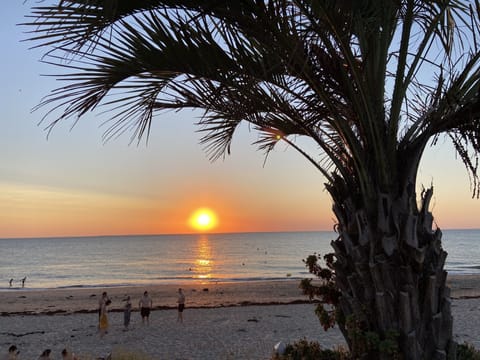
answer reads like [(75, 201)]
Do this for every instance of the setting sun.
[(203, 219)]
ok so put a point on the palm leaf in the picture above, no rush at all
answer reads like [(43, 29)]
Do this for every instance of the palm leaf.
[(300, 68)]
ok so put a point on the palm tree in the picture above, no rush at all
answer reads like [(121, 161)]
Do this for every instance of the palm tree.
[(371, 83)]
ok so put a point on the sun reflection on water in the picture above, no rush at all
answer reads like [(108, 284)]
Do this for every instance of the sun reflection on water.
[(203, 259)]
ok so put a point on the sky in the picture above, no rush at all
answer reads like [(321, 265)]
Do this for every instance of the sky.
[(71, 183)]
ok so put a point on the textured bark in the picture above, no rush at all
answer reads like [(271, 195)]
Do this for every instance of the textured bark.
[(390, 272)]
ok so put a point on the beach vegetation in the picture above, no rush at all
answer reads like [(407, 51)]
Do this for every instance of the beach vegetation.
[(360, 90), (466, 351), (310, 350)]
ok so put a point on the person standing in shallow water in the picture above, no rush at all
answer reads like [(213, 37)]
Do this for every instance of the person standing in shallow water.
[(145, 305), (181, 305)]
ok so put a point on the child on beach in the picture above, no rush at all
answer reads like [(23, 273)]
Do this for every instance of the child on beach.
[(126, 312)]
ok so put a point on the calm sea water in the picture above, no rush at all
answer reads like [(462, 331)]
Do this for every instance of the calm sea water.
[(137, 260)]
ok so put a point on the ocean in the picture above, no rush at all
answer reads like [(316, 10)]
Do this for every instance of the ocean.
[(107, 261)]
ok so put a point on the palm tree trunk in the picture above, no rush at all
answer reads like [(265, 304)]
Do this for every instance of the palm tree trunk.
[(390, 271)]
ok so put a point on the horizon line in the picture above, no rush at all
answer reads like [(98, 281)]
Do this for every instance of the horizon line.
[(187, 233)]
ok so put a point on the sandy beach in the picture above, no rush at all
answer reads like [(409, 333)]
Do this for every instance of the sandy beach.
[(222, 321)]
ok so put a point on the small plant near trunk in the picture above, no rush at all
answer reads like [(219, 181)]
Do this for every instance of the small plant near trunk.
[(329, 313)]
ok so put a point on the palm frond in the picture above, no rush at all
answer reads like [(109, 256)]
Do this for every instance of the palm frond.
[(320, 69)]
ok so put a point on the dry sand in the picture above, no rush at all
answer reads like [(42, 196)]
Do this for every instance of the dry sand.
[(218, 324)]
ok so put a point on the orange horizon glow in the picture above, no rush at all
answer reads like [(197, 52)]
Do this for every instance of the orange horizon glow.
[(32, 212)]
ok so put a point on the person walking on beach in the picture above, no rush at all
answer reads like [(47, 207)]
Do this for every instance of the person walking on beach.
[(23, 281), (145, 305), (126, 312), (102, 314), (103, 322), (10, 282), (181, 305), (101, 303)]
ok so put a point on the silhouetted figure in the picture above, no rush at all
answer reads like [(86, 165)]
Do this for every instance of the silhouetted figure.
[(10, 282), (181, 305), (101, 302), (23, 281), (126, 312), (145, 304), (103, 319)]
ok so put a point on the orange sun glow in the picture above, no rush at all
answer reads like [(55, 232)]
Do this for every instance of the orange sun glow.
[(203, 219)]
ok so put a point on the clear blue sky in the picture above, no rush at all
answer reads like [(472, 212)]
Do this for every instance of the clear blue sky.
[(73, 184)]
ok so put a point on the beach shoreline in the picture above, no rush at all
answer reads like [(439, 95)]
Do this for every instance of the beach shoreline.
[(200, 295)]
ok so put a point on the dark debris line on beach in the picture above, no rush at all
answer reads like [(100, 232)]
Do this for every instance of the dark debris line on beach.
[(161, 307), (21, 335)]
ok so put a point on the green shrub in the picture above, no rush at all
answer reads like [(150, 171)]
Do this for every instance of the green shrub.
[(305, 350), (467, 352)]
